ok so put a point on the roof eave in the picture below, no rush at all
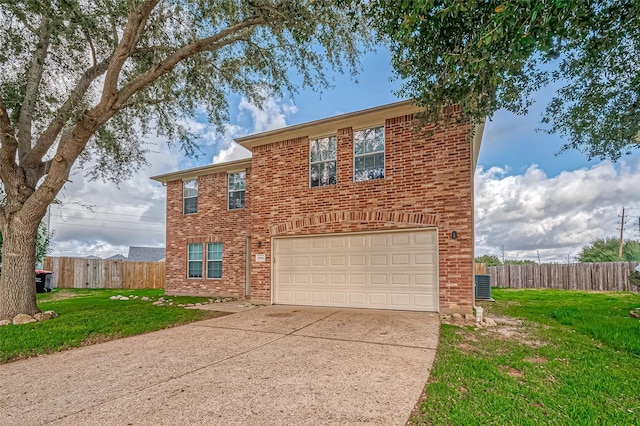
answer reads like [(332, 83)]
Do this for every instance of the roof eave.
[(327, 126), (230, 166)]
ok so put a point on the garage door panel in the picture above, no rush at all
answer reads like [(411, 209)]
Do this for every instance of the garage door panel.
[(385, 270), (319, 297), (425, 258), (378, 279), (357, 260), (401, 239), (378, 240), (424, 280), (400, 259), (400, 299), (359, 299)]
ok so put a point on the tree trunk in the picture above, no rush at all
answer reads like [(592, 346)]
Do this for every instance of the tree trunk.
[(17, 280)]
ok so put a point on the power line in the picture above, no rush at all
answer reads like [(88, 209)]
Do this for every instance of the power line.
[(111, 227), (85, 202), (118, 221), (110, 213)]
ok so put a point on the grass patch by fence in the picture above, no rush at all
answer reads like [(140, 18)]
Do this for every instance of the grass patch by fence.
[(89, 316), (574, 360)]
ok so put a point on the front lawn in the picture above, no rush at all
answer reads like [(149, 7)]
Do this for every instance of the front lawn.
[(89, 316), (574, 359)]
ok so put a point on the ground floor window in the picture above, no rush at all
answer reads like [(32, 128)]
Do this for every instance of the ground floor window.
[(194, 260), (214, 260)]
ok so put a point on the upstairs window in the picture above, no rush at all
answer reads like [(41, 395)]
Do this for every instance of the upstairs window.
[(194, 261), (368, 154), (322, 158), (214, 260), (237, 187), (190, 196)]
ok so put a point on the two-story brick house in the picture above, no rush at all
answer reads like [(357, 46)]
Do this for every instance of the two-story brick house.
[(357, 210)]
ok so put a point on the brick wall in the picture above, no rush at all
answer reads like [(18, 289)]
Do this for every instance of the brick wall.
[(428, 182), (212, 223)]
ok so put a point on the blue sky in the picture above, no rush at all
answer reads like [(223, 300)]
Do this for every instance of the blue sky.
[(529, 200)]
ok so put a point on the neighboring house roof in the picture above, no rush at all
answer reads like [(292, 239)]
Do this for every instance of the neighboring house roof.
[(146, 254), (91, 256), (117, 257)]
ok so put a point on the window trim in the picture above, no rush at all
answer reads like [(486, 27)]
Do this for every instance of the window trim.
[(368, 154), (335, 160), (185, 198), (189, 261), (229, 190), (214, 260)]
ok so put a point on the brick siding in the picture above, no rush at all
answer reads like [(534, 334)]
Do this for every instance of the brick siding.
[(428, 183)]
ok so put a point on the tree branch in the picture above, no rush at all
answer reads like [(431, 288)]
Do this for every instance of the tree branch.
[(9, 145), (49, 135), (33, 85), (135, 25), (216, 41)]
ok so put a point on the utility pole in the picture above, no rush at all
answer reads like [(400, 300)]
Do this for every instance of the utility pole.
[(503, 254), (621, 235)]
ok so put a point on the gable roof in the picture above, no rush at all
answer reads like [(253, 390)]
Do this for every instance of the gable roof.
[(327, 126), (146, 254), (117, 257), (230, 166), (318, 128)]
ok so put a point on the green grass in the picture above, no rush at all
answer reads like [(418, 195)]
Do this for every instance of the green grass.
[(575, 360), (89, 316)]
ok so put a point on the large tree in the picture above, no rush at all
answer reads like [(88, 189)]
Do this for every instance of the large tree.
[(488, 55), (87, 80)]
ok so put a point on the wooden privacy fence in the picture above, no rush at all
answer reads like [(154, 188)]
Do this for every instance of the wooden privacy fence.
[(76, 272), (609, 276)]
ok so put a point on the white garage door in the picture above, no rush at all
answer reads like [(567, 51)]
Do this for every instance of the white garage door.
[(381, 270)]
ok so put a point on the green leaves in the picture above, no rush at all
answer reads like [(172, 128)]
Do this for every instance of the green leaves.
[(607, 250), (254, 46), (490, 55)]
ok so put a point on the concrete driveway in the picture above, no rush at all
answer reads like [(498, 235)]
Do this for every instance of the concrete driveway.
[(275, 365)]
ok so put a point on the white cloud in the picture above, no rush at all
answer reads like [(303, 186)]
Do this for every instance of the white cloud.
[(100, 218), (271, 114), (532, 213)]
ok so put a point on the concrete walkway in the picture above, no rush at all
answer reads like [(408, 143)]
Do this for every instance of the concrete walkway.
[(274, 365)]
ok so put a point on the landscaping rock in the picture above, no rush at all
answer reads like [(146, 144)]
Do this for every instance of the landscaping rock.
[(508, 321), (23, 319), (456, 315), (42, 316), (469, 317), (145, 298), (4, 322), (488, 322), (124, 298), (198, 304), (158, 303), (53, 314)]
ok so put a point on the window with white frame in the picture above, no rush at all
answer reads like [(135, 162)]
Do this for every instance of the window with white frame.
[(190, 196), (214, 260), (194, 260), (322, 161), (368, 154), (237, 188)]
